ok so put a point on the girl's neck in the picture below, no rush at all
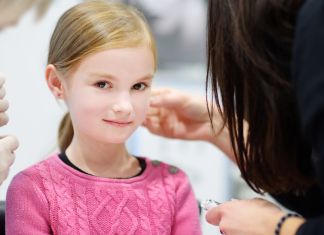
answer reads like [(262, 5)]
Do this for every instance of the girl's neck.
[(102, 159)]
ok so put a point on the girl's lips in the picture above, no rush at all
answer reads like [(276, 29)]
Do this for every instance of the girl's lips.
[(117, 123)]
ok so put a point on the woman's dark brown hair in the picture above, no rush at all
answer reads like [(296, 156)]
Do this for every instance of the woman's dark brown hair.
[(249, 58)]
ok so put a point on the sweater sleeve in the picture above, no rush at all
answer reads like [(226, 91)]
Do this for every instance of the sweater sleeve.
[(308, 83), (27, 209), (186, 219), (308, 204)]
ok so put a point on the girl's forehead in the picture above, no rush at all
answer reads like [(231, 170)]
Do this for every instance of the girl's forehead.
[(114, 64), (135, 59)]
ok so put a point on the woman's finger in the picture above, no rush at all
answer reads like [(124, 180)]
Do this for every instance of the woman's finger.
[(169, 100), (155, 119), (160, 90), (2, 79), (166, 97), (4, 105), (153, 125), (153, 111), (10, 142), (3, 175), (213, 216), (2, 92), (4, 119)]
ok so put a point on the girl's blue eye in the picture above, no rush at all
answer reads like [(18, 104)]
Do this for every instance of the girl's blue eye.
[(102, 84), (139, 86)]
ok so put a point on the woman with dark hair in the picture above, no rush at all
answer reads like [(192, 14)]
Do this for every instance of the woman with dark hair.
[(266, 72)]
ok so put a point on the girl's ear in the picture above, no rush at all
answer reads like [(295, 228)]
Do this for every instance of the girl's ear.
[(54, 82)]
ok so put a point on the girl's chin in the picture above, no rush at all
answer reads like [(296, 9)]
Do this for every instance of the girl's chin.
[(115, 140), (110, 136)]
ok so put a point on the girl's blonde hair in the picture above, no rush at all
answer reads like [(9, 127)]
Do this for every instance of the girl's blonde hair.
[(91, 27)]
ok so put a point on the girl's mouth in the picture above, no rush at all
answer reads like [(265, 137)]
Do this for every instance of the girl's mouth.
[(117, 123)]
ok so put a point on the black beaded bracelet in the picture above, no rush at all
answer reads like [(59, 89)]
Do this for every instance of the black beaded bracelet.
[(282, 220)]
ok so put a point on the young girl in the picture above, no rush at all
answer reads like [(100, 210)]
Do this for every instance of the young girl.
[(102, 59)]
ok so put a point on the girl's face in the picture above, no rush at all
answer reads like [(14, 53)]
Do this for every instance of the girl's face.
[(108, 95)]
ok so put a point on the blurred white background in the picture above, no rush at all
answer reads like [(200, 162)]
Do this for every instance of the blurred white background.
[(35, 114)]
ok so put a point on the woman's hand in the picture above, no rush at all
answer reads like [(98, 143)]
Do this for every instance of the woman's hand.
[(8, 144), (4, 104), (250, 217), (178, 115)]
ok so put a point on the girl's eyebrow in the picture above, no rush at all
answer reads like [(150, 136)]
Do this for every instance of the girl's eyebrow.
[(111, 77), (104, 75)]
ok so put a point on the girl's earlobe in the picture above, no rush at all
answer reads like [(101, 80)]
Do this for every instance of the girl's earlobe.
[(60, 96), (54, 81)]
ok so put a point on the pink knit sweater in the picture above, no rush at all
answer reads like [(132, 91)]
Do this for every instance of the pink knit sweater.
[(53, 198)]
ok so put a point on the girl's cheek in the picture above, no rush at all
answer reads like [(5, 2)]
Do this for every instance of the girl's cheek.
[(143, 108), (94, 103)]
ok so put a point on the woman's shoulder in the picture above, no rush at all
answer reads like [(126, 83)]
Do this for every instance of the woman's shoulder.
[(311, 7)]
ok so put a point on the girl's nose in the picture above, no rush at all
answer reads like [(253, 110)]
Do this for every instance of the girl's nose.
[(123, 105)]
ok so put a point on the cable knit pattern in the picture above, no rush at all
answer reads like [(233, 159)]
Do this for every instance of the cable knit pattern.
[(62, 189), (82, 209), (103, 204), (53, 198), (170, 190), (157, 202), (142, 208), (47, 181), (116, 228)]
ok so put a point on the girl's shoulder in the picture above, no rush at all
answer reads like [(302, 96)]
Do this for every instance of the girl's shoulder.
[(166, 171), (31, 183), (158, 165), (36, 172), (52, 171)]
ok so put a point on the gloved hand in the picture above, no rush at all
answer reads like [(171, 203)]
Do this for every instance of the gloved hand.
[(9, 143)]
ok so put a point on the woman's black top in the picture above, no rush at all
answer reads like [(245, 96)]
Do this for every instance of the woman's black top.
[(65, 159), (308, 83)]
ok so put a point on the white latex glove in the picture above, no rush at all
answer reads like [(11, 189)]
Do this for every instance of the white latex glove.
[(9, 143)]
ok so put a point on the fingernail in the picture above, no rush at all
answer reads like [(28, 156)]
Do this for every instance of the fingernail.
[(233, 199)]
